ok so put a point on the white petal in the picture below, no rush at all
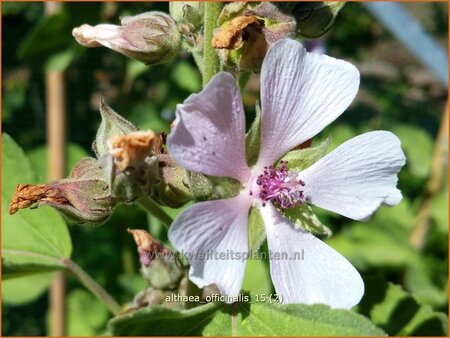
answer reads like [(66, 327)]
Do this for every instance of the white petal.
[(207, 230), (357, 177), (95, 36), (301, 93), (209, 132), (322, 276)]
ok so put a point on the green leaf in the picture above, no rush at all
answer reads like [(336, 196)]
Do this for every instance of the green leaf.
[(11, 270), (61, 60), (20, 291), (374, 245), (256, 230), (252, 319), (398, 313), (186, 77), (86, 316), (439, 211), (303, 158), (50, 35), (257, 276), (420, 282), (253, 139), (30, 237), (304, 217), (418, 147)]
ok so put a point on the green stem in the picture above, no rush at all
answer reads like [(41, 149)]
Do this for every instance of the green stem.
[(93, 286), (156, 211), (211, 64)]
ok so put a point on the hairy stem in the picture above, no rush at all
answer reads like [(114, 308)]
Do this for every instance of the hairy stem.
[(156, 211), (93, 286), (211, 64)]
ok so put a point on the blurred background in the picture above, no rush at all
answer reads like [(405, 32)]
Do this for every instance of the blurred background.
[(406, 245)]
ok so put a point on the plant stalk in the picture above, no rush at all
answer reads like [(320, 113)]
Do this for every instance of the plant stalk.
[(156, 211), (211, 64), (93, 286)]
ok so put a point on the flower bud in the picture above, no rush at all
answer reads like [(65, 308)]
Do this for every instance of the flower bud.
[(112, 125), (173, 189), (188, 12), (151, 37), (247, 31), (132, 164), (161, 268), (315, 18), (203, 188), (82, 197)]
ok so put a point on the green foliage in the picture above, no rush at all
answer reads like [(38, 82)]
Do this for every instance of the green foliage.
[(418, 147), (253, 139), (256, 230), (257, 277), (304, 217), (21, 291), (86, 315), (300, 159), (399, 314), (186, 77), (243, 319), (10, 270), (395, 94), (361, 244), (33, 239)]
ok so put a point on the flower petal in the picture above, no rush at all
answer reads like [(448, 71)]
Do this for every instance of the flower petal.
[(301, 93), (208, 230), (95, 36), (209, 132), (311, 271), (357, 177)]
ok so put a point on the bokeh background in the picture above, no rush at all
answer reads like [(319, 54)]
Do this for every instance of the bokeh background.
[(406, 245)]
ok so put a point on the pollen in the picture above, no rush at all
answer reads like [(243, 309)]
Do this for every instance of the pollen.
[(279, 186)]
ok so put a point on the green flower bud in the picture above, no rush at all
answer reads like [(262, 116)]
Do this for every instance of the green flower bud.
[(173, 189), (188, 12), (151, 37), (315, 18), (203, 188), (112, 125)]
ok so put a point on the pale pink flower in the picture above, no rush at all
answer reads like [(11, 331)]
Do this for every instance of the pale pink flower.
[(301, 93)]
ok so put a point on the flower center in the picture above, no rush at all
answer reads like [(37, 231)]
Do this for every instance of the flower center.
[(280, 187)]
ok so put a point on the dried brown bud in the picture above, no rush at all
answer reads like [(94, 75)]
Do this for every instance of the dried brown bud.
[(27, 194), (161, 268), (247, 30), (84, 196), (134, 169), (146, 242), (129, 151), (232, 35)]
